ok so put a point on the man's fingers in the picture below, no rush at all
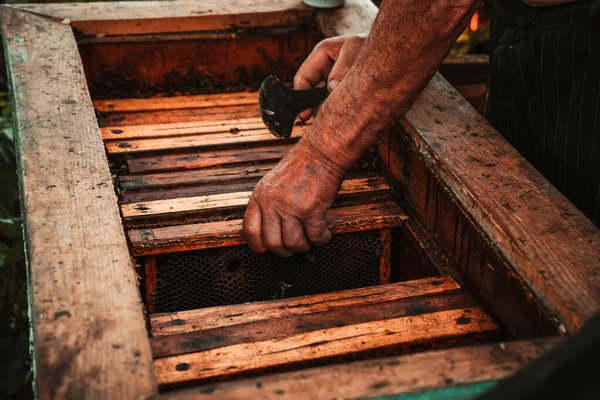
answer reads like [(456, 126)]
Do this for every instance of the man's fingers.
[(252, 227), (272, 235), (316, 230), (294, 238), (315, 69), (345, 60)]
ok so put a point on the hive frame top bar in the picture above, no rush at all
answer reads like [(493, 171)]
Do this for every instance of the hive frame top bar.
[(88, 330)]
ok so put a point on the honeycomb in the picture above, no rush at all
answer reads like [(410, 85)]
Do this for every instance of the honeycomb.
[(233, 275)]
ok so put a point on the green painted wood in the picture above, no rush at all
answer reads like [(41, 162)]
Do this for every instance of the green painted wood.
[(462, 392)]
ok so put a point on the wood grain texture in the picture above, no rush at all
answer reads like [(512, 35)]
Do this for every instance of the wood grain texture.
[(150, 282), (384, 377), (546, 240), (472, 257), (118, 120), (247, 182), (180, 128), (232, 199), (208, 159), (213, 317), (385, 260), (291, 324), (211, 176), (320, 345), (82, 282), (176, 102), (229, 233), (130, 18), (214, 140)]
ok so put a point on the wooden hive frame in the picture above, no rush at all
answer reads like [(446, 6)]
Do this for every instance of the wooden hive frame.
[(521, 248)]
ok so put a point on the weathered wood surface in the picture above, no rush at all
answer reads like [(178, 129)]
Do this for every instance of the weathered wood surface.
[(213, 317), (385, 260), (176, 102), (130, 18), (234, 138), (470, 255), (213, 176), (208, 159), (180, 128), (373, 378), (387, 335), (118, 119), (170, 239), (323, 316), (232, 199), (83, 286), (548, 243)]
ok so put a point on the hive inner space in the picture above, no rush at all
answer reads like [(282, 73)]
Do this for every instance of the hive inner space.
[(186, 146)]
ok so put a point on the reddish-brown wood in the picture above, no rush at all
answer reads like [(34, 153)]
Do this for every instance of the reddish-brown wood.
[(150, 282), (101, 19), (180, 128), (246, 182), (119, 120), (214, 317), (209, 159), (385, 260), (546, 241), (203, 339), (213, 176), (229, 233), (388, 335), (176, 102), (384, 377), (234, 138), (231, 199), (469, 254), (194, 64)]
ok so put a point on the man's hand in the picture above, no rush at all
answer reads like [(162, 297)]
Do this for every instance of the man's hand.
[(286, 213), (327, 64), (381, 79)]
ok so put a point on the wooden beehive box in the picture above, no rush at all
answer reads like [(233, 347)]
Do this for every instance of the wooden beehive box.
[(139, 143)]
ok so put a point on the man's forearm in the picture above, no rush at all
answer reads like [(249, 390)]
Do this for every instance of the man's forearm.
[(408, 42)]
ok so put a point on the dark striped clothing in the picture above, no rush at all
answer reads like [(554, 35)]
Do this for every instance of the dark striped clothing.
[(545, 92)]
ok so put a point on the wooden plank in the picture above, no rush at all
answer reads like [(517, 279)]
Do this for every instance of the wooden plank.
[(142, 196), (385, 260), (208, 159), (118, 120), (213, 317), (150, 282), (82, 282), (150, 187), (132, 18), (211, 176), (469, 252), (383, 377), (235, 199), (234, 138), (294, 324), (180, 128), (320, 345), (545, 239), (171, 239), (177, 102)]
